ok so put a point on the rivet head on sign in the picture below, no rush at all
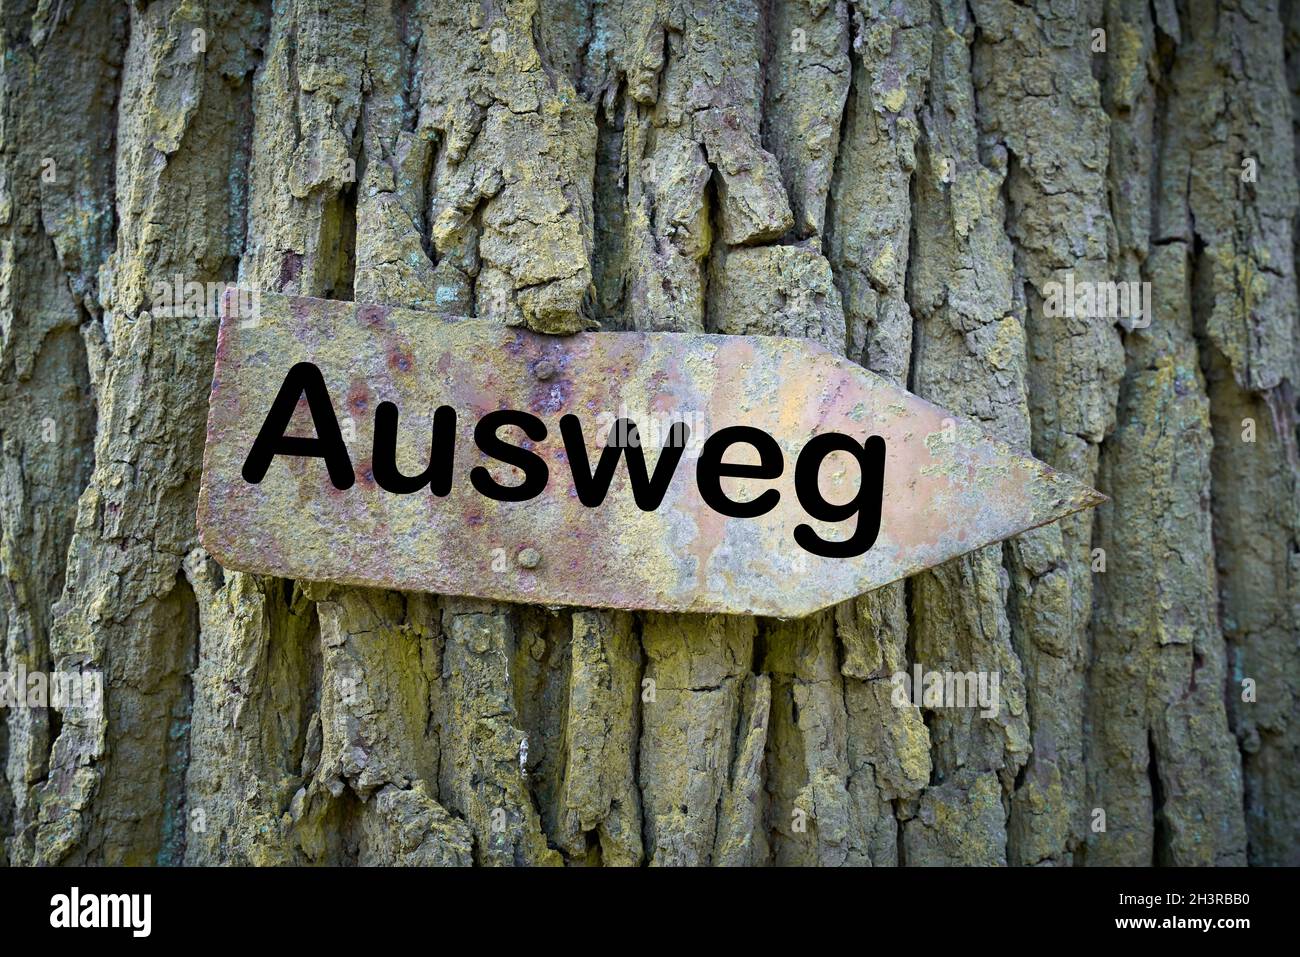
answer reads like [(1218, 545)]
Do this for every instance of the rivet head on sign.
[(529, 558), (544, 369)]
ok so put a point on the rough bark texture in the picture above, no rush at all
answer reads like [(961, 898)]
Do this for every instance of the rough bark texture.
[(900, 181)]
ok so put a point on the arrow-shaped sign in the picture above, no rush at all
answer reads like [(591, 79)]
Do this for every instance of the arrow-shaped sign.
[(388, 447)]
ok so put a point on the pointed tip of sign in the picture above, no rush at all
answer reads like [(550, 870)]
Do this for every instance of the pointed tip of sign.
[(1070, 494)]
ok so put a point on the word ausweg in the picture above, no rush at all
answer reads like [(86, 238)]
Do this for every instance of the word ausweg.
[(387, 447)]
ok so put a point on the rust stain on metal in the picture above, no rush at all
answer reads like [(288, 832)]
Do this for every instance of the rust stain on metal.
[(948, 488)]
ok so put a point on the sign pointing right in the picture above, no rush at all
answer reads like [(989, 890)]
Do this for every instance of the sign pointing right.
[(678, 472)]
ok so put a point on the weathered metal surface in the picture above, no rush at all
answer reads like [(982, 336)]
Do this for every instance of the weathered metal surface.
[(948, 488)]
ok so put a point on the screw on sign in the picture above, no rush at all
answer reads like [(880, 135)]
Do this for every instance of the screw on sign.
[(677, 472)]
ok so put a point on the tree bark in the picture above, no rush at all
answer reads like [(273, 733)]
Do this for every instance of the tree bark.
[(901, 181)]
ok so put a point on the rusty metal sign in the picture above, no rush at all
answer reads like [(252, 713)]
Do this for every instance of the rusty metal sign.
[(385, 447)]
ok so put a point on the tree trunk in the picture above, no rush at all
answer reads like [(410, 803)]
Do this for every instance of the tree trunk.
[(901, 181)]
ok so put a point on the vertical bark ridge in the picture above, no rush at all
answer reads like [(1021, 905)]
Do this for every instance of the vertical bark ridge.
[(1040, 114), (115, 792), (56, 226)]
